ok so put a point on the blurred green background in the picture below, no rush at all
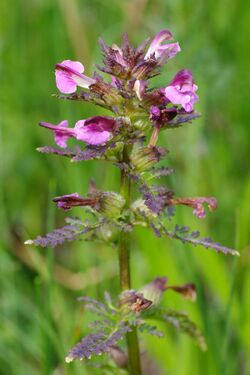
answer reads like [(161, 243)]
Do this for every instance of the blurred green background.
[(40, 318)]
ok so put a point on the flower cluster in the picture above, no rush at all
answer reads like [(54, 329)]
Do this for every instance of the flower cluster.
[(130, 70), (128, 138)]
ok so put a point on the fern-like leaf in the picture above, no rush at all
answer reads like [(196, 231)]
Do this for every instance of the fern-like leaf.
[(76, 154), (185, 235), (181, 322), (98, 343), (68, 233)]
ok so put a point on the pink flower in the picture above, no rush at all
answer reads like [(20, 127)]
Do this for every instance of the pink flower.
[(182, 90), (197, 204), (162, 52), (69, 76), (95, 130), (61, 132)]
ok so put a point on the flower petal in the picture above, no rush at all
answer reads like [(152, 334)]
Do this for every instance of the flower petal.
[(162, 52), (69, 76), (161, 37), (95, 130), (61, 133), (182, 90)]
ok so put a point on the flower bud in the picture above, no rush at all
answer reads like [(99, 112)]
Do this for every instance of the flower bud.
[(106, 92), (153, 291), (131, 300), (111, 204), (140, 209), (144, 158)]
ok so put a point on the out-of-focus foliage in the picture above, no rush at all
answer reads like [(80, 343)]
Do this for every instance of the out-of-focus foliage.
[(40, 318)]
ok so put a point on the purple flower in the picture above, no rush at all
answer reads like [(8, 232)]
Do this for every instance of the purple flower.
[(61, 132), (69, 76), (95, 130), (182, 90), (162, 52)]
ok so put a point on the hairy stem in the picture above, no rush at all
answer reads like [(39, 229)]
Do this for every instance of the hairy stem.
[(125, 280)]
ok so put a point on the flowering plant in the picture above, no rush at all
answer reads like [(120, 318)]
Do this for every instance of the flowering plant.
[(128, 139)]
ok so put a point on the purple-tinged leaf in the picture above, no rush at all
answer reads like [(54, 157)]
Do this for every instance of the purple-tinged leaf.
[(98, 343), (183, 234), (77, 154), (67, 233), (181, 118)]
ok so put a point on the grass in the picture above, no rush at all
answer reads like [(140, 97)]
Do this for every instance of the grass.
[(40, 318)]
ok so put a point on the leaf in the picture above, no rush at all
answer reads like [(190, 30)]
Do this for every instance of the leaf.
[(76, 154), (98, 343), (181, 119), (67, 233), (150, 329), (181, 322), (109, 330), (183, 234)]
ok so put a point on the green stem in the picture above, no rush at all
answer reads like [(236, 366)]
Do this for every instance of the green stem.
[(134, 365)]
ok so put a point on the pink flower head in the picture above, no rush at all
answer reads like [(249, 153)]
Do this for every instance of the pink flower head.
[(162, 52), (182, 90), (61, 132), (95, 130), (69, 76)]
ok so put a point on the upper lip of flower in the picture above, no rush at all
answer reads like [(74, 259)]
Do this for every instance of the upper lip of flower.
[(87, 130), (58, 128), (182, 90), (67, 69), (161, 51), (73, 200), (69, 76)]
